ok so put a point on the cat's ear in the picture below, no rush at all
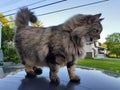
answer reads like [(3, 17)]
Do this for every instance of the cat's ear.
[(93, 18), (97, 16)]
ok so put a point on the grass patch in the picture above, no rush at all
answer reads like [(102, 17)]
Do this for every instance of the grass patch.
[(112, 65)]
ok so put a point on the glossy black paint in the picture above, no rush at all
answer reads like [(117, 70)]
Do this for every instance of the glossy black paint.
[(91, 79)]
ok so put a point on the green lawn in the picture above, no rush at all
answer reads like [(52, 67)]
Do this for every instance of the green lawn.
[(112, 65)]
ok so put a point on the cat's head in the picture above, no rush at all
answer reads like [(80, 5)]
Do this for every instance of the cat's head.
[(88, 26)]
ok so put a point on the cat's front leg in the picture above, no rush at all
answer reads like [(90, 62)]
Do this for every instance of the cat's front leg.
[(53, 73), (71, 68)]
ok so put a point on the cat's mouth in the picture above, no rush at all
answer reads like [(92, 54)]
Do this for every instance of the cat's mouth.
[(91, 40)]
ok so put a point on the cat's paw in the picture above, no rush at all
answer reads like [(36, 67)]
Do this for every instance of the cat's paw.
[(75, 79), (37, 71), (55, 80), (30, 75)]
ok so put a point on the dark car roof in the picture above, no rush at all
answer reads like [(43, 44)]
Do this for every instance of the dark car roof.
[(91, 79)]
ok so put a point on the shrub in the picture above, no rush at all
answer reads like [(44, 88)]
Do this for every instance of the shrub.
[(7, 34), (8, 48), (10, 52)]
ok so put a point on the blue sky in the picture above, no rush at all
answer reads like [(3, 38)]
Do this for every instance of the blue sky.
[(110, 11)]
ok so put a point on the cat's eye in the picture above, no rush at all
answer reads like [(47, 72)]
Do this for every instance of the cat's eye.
[(97, 31)]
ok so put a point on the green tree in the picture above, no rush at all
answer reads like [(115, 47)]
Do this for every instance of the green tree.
[(11, 22), (104, 45), (113, 44), (3, 19), (8, 47), (37, 24), (7, 33)]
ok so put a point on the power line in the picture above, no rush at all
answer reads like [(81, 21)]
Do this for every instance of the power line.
[(69, 8), (48, 4), (73, 7), (24, 6), (38, 7)]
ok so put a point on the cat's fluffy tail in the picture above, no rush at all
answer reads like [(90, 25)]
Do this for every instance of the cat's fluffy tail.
[(24, 15)]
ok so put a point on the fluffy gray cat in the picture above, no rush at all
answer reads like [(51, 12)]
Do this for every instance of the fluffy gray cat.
[(54, 46)]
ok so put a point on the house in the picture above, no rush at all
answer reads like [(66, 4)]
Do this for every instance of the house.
[(95, 50)]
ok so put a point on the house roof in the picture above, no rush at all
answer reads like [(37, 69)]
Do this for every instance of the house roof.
[(91, 79)]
